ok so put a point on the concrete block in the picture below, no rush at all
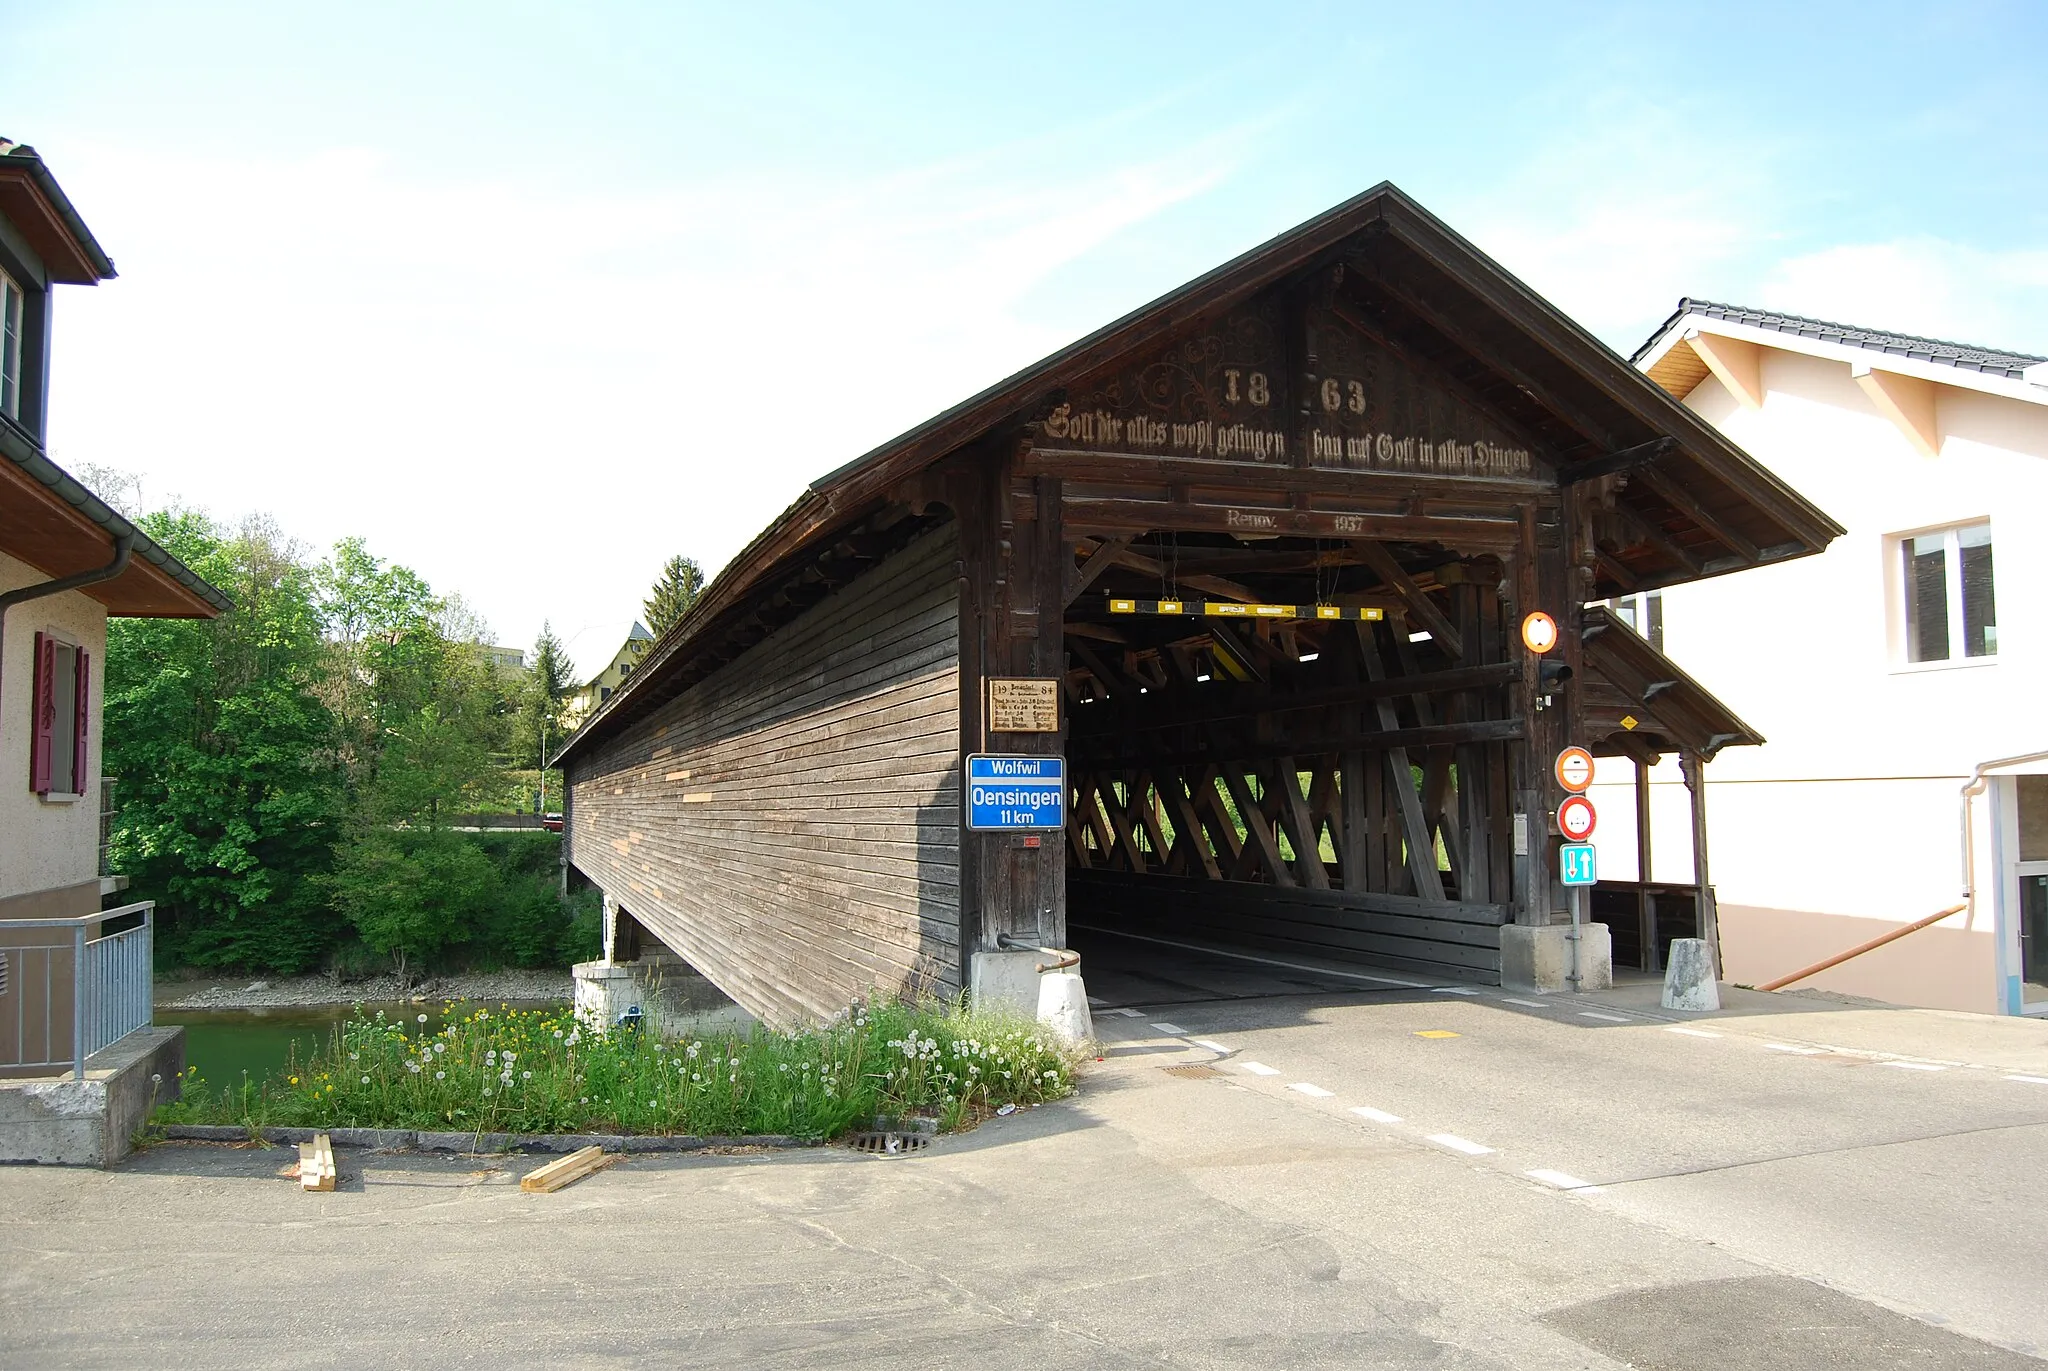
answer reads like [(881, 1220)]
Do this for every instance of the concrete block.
[(1540, 959), (1689, 977), (92, 1122), (1063, 1006), (1006, 982)]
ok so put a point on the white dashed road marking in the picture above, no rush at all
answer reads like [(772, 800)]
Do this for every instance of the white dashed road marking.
[(1171, 1030), (1366, 1111), (1312, 1090), (1563, 1181), (1611, 1018), (1914, 1066), (1458, 1144), (1453, 990), (1214, 1047), (2030, 1080), (1691, 1032), (1801, 1051), (1124, 1013), (1526, 1004), (1259, 1068)]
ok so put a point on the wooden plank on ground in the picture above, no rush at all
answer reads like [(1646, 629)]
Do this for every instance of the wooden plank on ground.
[(316, 1163), (563, 1171)]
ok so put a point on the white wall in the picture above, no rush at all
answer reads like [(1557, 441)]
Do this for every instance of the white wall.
[(45, 844), (1850, 811)]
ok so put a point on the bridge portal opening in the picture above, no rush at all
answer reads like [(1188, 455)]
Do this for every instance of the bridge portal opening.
[(1300, 748)]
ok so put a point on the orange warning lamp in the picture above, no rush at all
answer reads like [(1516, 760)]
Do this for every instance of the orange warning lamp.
[(1539, 632)]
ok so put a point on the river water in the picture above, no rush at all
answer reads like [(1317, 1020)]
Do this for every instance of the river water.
[(224, 1043)]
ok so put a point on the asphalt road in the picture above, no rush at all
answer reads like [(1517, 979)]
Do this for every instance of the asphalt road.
[(1699, 1202)]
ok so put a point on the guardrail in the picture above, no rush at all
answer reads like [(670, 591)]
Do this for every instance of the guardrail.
[(111, 986)]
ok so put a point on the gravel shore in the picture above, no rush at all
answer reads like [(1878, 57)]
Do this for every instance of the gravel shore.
[(187, 992)]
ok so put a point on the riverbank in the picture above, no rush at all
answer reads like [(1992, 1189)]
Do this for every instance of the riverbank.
[(190, 991)]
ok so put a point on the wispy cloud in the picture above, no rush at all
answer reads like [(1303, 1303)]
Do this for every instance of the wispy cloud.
[(537, 392), (1923, 285)]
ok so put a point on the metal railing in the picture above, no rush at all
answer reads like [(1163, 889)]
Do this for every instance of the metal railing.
[(110, 984)]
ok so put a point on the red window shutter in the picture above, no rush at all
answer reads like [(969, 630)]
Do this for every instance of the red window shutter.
[(42, 714), (84, 698)]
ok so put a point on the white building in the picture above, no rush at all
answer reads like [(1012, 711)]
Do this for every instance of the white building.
[(1884, 672)]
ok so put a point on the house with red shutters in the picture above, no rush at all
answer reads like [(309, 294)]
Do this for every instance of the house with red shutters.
[(74, 973)]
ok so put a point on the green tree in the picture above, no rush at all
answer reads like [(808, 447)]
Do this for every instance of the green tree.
[(675, 590), (410, 895), (225, 755)]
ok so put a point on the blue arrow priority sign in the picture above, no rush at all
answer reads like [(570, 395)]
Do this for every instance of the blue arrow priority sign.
[(1575, 864)]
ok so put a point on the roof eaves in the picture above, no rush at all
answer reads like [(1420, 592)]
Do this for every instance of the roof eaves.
[(1998, 362), (39, 172), (68, 489)]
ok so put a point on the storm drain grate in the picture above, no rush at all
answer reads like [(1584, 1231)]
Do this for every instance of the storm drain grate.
[(889, 1144)]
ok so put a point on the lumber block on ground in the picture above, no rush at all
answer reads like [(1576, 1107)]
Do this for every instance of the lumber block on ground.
[(563, 1171), (316, 1163)]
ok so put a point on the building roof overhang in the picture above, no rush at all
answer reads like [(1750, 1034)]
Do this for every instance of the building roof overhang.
[(1689, 502), (54, 524), (1639, 703), (32, 200), (1703, 338)]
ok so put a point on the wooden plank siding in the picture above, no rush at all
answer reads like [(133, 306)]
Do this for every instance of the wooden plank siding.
[(790, 825), (1456, 940)]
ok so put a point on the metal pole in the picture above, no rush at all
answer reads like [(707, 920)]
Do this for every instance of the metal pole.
[(78, 1003), (1646, 914), (1578, 893)]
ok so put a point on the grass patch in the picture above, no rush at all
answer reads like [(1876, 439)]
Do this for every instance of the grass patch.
[(543, 1071)]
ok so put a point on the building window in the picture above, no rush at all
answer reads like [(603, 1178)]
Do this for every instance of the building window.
[(1951, 613), (60, 706), (11, 301), (1644, 613)]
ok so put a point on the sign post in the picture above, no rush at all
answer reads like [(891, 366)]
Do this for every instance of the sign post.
[(1012, 793)]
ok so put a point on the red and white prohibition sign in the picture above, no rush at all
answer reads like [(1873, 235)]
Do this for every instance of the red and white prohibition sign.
[(1574, 770), (1575, 818)]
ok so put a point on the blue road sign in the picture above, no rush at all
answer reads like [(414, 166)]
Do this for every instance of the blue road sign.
[(1016, 792), (1575, 863)]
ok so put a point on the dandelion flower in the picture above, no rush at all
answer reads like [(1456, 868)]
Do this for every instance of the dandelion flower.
[(366, 1081), (440, 1075), (423, 1018), (526, 1075), (355, 1056)]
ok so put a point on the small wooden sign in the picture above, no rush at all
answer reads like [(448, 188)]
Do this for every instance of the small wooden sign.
[(1023, 704)]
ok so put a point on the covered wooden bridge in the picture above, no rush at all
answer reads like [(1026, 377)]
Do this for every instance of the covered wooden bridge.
[(1271, 539)]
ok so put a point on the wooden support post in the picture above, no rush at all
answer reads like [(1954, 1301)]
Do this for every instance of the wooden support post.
[(1257, 830), (1354, 853), (1301, 829), (1188, 823), (1709, 922), (1646, 903), (1415, 826)]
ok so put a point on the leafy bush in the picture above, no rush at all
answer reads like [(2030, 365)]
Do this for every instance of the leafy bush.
[(544, 1071)]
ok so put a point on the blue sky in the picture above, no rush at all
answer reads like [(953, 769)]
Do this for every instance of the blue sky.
[(533, 296)]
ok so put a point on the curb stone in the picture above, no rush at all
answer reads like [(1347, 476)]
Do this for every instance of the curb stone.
[(412, 1140)]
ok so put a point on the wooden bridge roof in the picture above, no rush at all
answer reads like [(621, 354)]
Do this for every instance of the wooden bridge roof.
[(1692, 504), (1639, 703)]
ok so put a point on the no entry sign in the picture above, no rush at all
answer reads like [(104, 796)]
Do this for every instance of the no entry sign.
[(1574, 769), (1575, 818)]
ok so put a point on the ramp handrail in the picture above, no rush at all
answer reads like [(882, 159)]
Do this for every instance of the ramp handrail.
[(1879, 941)]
